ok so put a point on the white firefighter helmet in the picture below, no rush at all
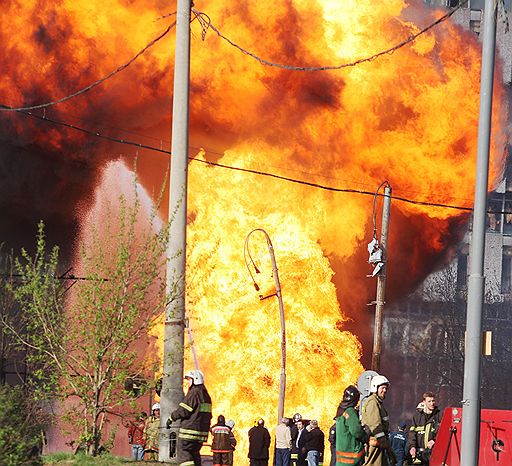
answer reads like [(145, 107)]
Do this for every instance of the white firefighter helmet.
[(196, 376), (155, 406), (376, 382)]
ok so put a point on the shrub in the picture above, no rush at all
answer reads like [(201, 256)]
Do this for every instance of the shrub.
[(21, 428)]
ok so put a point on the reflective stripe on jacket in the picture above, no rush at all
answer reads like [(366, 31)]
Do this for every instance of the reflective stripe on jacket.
[(221, 442), (424, 428), (350, 438), (195, 413), (375, 416)]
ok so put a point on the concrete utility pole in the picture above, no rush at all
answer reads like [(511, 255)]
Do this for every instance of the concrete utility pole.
[(476, 281), (381, 281), (172, 380)]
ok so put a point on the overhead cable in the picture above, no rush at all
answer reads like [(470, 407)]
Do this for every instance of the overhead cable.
[(92, 133), (206, 24), (248, 170), (6, 108)]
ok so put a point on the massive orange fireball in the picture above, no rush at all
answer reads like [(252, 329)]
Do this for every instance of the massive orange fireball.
[(409, 117)]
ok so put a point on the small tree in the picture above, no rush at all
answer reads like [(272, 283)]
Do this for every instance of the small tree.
[(85, 342), (22, 426)]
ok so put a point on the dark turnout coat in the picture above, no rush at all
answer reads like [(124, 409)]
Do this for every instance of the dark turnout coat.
[(195, 413), (424, 427), (259, 443)]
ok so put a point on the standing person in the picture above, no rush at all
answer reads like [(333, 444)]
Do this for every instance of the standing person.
[(232, 440), (283, 443), (350, 435), (423, 430), (298, 456), (398, 442), (259, 443), (332, 442), (195, 414), (314, 444), (375, 417), (294, 430), (136, 437), (152, 433), (221, 444)]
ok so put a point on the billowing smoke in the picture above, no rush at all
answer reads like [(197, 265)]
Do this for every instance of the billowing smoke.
[(409, 117)]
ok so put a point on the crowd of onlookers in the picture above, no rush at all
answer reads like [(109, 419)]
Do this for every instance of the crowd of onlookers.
[(360, 435)]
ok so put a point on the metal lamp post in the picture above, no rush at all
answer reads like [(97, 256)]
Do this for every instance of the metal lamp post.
[(282, 380)]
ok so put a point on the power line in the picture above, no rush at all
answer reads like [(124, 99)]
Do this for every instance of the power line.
[(96, 133), (206, 24), (248, 170), (92, 133), (6, 108)]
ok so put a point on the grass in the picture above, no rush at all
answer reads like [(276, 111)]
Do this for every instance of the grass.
[(69, 459)]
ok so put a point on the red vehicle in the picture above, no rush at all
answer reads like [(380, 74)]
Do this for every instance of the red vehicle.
[(495, 438)]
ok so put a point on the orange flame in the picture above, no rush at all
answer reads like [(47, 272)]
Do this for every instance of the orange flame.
[(409, 117)]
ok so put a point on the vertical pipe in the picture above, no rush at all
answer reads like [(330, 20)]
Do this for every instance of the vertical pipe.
[(381, 282), (172, 380), (282, 380), (476, 281)]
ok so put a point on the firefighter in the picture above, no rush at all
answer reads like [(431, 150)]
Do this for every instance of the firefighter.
[(350, 435), (375, 418), (151, 433), (294, 430), (398, 442), (195, 413), (231, 424), (221, 442), (423, 430), (332, 443)]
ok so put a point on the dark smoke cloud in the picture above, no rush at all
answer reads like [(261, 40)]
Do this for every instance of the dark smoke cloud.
[(411, 259)]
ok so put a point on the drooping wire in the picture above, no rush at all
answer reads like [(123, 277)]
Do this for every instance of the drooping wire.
[(7, 108), (206, 24), (256, 172), (91, 133)]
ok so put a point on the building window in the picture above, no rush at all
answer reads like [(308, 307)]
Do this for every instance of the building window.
[(506, 270), (462, 272), (507, 220), (494, 215)]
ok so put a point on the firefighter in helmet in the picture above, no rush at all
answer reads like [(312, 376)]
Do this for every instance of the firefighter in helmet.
[(195, 414), (376, 419), (295, 429), (350, 435)]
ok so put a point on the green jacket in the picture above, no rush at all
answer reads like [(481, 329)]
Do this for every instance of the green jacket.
[(350, 438)]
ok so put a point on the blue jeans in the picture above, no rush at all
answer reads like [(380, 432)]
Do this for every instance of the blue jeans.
[(313, 458), (137, 452), (283, 456)]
